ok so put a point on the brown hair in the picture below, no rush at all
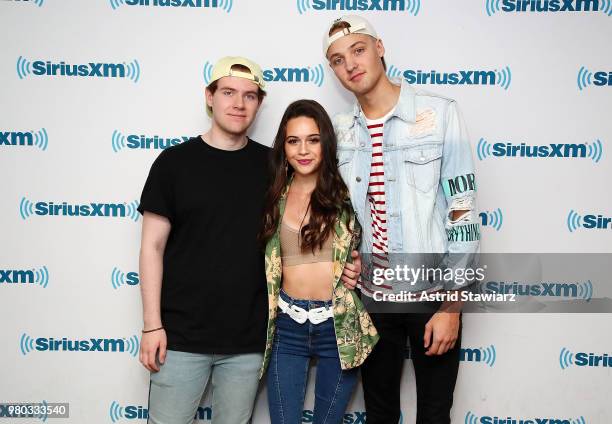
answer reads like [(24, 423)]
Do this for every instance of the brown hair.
[(330, 196), (212, 87), (339, 26)]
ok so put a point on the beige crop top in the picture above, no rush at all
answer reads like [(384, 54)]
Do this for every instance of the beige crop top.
[(291, 253)]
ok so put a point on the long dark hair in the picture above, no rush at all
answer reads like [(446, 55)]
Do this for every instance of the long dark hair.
[(330, 196)]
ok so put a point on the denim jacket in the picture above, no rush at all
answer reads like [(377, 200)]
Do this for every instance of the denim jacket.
[(355, 332), (429, 172)]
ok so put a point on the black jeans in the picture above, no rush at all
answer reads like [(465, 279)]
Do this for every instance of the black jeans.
[(382, 371)]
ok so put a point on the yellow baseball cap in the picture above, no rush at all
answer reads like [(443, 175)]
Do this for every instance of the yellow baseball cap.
[(223, 68)]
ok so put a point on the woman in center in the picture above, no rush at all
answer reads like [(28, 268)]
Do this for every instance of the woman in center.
[(309, 231)]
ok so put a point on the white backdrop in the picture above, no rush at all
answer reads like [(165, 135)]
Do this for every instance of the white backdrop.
[(70, 139)]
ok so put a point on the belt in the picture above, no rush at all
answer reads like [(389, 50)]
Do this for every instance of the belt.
[(300, 315)]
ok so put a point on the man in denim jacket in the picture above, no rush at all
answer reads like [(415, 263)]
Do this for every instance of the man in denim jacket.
[(406, 158)]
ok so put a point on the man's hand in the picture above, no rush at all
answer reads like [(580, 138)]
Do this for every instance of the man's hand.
[(351, 272), (441, 332), (150, 343)]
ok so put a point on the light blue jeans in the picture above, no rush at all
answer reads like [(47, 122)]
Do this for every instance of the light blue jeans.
[(177, 388)]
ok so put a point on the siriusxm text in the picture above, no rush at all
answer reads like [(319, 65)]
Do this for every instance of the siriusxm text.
[(44, 344), (15, 138), (550, 5), (359, 4), (174, 3), (143, 142), (91, 69), (90, 209)]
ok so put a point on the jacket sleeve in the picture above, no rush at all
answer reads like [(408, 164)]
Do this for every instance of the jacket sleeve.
[(458, 182)]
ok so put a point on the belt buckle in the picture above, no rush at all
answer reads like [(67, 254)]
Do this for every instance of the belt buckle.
[(298, 314), (316, 315)]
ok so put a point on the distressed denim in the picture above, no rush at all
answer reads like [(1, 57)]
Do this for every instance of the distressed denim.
[(429, 172)]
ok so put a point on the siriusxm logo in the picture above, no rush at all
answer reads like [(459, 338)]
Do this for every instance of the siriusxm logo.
[(588, 222), (579, 290), (493, 6), (102, 210), (355, 417), (120, 278), (225, 5), (38, 3), (39, 276), (593, 151), (487, 355), (583, 359), (493, 219), (38, 138), (599, 78), (28, 344), (135, 141), (471, 418), (129, 71), (412, 7), (138, 412), (310, 74), (502, 77)]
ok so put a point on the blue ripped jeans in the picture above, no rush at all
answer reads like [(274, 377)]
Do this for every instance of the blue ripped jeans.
[(294, 346)]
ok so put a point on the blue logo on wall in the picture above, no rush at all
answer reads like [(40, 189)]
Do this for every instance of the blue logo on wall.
[(29, 344), (501, 77), (120, 141), (593, 150), (310, 74), (578, 290), (471, 418), (130, 71), (102, 210), (38, 276), (583, 359), (412, 7), (139, 412), (120, 278), (38, 3), (493, 6), (486, 355), (493, 218), (225, 5), (38, 138), (589, 222), (587, 78)]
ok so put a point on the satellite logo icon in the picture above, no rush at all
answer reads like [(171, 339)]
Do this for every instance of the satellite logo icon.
[(504, 77), (493, 219), (574, 221)]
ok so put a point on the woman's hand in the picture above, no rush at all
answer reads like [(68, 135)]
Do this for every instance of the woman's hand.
[(350, 274)]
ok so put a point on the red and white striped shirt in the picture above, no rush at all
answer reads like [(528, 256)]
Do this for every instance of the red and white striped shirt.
[(376, 195)]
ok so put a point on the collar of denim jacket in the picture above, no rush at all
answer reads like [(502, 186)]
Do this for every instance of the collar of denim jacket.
[(405, 108)]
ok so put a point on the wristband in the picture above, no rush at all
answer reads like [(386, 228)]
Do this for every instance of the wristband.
[(150, 331)]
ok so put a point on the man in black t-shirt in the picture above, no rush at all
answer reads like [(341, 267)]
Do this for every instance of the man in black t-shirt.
[(202, 271)]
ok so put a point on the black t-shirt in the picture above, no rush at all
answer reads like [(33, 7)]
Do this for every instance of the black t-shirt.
[(213, 297)]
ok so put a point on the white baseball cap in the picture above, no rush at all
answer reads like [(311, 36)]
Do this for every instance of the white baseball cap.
[(355, 25)]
